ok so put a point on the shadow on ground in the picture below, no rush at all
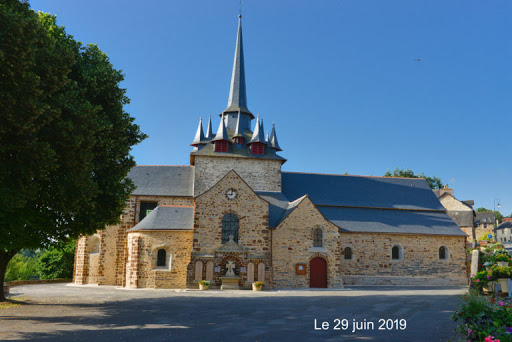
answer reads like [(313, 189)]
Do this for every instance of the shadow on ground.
[(200, 317)]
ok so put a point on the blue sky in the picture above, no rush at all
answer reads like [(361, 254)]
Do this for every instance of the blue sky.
[(341, 79)]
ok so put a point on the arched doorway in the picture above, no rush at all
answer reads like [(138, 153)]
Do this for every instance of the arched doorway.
[(318, 273)]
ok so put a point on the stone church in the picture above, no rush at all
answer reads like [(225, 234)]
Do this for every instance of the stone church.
[(234, 211)]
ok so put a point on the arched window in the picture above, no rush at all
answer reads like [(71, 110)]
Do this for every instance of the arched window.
[(161, 256), (348, 253), (229, 227), (443, 253), (396, 253), (317, 238)]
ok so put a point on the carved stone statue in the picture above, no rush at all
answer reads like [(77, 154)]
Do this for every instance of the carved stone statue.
[(231, 269)]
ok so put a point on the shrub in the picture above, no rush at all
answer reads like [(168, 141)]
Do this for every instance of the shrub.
[(21, 267), (57, 262)]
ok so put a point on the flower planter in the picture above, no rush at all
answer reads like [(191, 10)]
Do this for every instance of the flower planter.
[(490, 287), (503, 284), (256, 288), (203, 287)]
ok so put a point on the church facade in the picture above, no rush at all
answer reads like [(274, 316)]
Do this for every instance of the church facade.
[(234, 212)]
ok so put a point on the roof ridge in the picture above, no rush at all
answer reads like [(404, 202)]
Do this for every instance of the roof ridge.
[(164, 165), (336, 174), (383, 208)]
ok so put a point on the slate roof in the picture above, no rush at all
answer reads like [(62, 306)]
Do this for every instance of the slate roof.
[(360, 191), (279, 206), (463, 218), (486, 217), (505, 225), (167, 218), (391, 221), (163, 180)]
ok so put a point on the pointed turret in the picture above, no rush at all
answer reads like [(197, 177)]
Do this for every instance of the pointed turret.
[(237, 93), (258, 134), (221, 139), (267, 138), (209, 133), (273, 143), (238, 129), (199, 139), (238, 137), (221, 132)]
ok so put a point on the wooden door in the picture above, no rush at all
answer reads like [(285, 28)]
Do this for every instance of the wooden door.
[(318, 273)]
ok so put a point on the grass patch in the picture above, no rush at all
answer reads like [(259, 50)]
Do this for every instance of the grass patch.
[(13, 302)]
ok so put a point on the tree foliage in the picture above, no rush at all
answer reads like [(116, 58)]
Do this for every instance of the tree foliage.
[(22, 267), (57, 262), (65, 137), (433, 182)]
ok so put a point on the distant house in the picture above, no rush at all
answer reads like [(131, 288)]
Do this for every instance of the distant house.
[(504, 232), (485, 224), (461, 212)]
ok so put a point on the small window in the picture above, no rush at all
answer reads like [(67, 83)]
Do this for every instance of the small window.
[(239, 140), (161, 258), (442, 253), (348, 253), (146, 208), (485, 225), (258, 148), (396, 253), (317, 238), (221, 146)]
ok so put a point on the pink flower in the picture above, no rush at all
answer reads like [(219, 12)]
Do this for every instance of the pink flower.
[(489, 338), (501, 303), (478, 280)]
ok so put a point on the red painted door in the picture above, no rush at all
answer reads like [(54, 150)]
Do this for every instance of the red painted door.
[(318, 273)]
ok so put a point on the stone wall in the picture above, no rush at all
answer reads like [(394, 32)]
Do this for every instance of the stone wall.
[(469, 232), (260, 174), (141, 264), (254, 235), (292, 243), (371, 257), (111, 265), (371, 262), (451, 203)]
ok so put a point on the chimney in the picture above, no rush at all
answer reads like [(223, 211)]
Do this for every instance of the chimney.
[(445, 190)]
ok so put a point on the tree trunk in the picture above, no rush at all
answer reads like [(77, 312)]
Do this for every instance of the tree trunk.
[(5, 257)]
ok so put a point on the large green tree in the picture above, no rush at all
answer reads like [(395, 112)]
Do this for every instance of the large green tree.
[(64, 135), (433, 182)]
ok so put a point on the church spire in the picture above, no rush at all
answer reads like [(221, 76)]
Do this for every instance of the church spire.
[(237, 93)]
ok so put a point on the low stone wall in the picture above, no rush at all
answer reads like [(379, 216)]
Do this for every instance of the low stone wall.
[(38, 281)]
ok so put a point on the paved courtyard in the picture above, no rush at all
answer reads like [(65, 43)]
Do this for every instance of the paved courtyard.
[(70, 313)]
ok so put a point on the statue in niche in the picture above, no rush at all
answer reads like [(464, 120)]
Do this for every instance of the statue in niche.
[(230, 269)]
